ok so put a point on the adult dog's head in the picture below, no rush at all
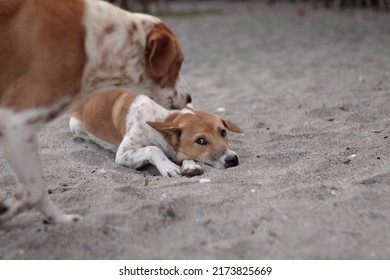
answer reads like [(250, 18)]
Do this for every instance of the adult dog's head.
[(137, 52), (164, 57)]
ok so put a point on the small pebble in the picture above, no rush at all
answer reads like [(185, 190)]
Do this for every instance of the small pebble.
[(204, 180), (221, 109), (101, 172)]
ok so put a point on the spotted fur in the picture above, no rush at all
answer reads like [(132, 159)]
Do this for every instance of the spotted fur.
[(141, 132), (55, 52)]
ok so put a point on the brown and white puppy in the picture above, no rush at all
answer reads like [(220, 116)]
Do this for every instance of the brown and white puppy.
[(140, 131), (54, 52)]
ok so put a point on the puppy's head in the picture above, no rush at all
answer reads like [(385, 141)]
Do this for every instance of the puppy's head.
[(163, 60), (199, 136)]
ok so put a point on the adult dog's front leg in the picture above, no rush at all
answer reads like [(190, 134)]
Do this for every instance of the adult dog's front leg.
[(20, 148), (136, 158)]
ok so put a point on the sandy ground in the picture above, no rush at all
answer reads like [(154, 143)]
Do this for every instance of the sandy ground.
[(312, 91)]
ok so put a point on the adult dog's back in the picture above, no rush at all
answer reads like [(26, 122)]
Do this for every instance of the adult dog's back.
[(52, 53)]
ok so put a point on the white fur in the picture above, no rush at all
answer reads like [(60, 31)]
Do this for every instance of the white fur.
[(98, 15), (141, 144), (220, 162), (111, 61), (114, 67), (191, 168), (79, 132), (18, 140)]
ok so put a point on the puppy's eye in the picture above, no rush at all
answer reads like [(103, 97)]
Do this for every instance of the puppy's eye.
[(201, 141), (223, 132)]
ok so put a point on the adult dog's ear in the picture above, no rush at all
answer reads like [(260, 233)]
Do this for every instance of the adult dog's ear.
[(161, 50), (231, 126), (169, 131)]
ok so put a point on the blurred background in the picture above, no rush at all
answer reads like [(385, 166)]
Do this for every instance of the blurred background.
[(168, 6)]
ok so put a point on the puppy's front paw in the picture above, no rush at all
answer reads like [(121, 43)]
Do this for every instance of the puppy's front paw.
[(190, 168), (169, 169), (62, 219)]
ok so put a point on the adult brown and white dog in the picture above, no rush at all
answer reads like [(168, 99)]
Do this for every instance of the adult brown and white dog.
[(140, 132), (52, 53)]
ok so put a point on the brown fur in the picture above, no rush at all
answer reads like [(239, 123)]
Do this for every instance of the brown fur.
[(104, 115), (112, 109), (182, 130), (153, 134), (42, 52), (164, 55), (47, 59)]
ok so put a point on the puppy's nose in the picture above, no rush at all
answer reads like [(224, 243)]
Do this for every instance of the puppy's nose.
[(189, 99), (231, 160)]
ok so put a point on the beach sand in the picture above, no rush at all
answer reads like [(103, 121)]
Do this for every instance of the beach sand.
[(311, 89)]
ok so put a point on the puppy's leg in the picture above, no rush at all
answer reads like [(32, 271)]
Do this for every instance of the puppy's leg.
[(190, 168), (136, 158), (20, 149)]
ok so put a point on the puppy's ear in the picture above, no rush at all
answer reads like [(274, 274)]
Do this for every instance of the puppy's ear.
[(169, 131), (231, 126), (161, 50)]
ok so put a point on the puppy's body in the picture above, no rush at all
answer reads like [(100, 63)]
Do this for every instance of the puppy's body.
[(118, 120), (54, 52), (141, 131)]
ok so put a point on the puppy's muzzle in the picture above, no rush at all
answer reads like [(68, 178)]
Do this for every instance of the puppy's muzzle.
[(228, 159), (189, 98), (231, 160)]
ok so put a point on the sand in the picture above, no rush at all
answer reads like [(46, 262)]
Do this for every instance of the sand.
[(310, 88)]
